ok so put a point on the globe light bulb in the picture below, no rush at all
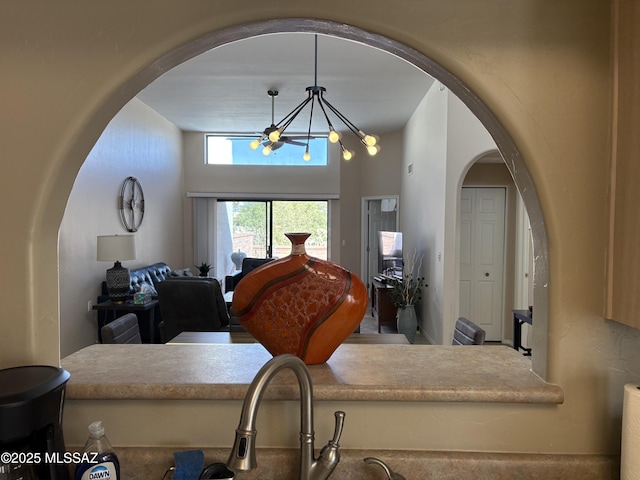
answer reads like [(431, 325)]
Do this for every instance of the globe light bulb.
[(370, 140), (347, 155), (373, 149), (307, 156), (333, 136), (254, 144), (274, 136), (266, 150)]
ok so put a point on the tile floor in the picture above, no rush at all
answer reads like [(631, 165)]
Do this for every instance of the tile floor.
[(369, 325)]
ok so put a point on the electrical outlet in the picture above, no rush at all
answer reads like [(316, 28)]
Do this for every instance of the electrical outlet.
[(89, 306)]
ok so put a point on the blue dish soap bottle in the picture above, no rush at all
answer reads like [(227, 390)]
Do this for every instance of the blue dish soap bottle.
[(99, 460)]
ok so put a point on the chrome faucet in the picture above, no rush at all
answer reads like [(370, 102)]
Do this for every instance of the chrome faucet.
[(243, 455)]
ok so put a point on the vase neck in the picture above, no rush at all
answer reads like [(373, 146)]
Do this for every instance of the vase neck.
[(297, 242)]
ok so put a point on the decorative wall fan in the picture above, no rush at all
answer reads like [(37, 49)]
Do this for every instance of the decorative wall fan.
[(131, 204), (290, 139)]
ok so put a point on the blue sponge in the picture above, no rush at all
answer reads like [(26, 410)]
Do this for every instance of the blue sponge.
[(189, 464)]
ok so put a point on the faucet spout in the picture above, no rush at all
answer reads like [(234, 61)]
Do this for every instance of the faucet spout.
[(243, 455)]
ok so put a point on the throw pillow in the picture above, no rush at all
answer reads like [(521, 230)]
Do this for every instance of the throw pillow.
[(185, 272)]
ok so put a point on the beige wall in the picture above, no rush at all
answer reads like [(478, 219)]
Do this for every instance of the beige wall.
[(140, 143), (365, 176), (543, 68)]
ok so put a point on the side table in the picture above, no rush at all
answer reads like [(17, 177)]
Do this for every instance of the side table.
[(128, 307), (382, 307), (521, 317)]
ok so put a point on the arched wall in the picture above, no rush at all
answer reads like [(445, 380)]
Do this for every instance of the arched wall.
[(507, 147), (543, 68), (493, 157)]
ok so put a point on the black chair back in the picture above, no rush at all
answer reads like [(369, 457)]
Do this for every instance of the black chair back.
[(191, 304), (467, 333), (122, 330)]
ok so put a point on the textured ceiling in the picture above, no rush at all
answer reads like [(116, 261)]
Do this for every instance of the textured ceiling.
[(225, 89)]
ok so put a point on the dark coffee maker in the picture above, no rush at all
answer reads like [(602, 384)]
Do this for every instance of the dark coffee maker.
[(31, 439)]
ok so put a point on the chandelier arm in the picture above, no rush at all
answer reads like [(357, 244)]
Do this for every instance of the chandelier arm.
[(286, 121), (355, 130), (320, 101), (310, 120), (313, 91)]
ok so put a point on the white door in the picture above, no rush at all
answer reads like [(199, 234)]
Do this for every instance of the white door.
[(482, 227)]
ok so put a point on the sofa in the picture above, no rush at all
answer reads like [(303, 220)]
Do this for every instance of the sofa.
[(248, 264), (151, 276)]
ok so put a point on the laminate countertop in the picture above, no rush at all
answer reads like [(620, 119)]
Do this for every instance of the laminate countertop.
[(403, 373)]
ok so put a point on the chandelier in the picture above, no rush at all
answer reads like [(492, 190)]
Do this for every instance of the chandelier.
[(315, 95)]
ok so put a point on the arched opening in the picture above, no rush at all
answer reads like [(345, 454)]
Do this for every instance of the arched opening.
[(507, 148), (494, 272)]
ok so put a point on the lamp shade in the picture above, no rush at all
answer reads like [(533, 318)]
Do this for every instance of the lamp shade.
[(112, 248)]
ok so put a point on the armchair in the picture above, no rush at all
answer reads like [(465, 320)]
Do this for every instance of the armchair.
[(248, 264), (191, 304)]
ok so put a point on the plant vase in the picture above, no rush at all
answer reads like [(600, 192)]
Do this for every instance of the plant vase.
[(407, 322), (300, 304)]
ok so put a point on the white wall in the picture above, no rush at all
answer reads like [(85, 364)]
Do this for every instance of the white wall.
[(423, 202), (467, 140), (140, 143), (442, 139)]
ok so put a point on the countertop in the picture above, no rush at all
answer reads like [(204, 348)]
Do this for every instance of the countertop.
[(354, 372)]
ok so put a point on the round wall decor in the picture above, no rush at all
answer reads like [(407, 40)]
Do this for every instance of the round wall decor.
[(131, 204)]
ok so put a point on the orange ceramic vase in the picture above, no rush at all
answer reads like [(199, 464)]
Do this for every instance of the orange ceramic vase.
[(300, 304)]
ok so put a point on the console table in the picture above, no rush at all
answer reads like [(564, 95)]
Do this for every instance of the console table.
[(521, 317), (382, 308), (118, 309)]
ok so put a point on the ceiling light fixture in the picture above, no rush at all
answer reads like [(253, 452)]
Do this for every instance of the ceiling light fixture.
[(270, 146), (272, 135)]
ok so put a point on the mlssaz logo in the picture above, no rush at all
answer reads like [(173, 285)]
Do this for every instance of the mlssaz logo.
[(99, 472)]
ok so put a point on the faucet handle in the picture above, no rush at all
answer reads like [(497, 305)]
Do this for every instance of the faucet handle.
[(330, 453), (337, 432)]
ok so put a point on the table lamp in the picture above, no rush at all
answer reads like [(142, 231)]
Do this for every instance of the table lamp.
[(115, 248)]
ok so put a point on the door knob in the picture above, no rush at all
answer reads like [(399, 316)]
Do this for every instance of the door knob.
[(486, 274)]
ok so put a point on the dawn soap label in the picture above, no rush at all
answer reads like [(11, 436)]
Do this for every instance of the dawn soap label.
[(101, 471)]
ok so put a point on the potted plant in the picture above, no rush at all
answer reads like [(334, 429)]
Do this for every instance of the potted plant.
[(405, 293), (204, 269)]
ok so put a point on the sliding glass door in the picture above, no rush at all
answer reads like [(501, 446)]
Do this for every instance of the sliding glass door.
[(250, 226), (256, 228)]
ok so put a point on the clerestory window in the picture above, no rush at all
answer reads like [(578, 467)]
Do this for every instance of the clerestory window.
[(225, 149)]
